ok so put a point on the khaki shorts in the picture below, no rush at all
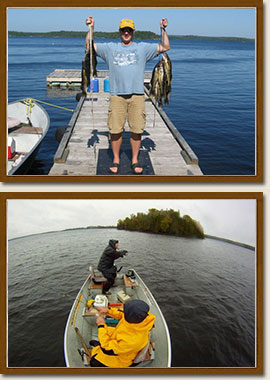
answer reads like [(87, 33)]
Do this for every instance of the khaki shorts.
[(126, 107)]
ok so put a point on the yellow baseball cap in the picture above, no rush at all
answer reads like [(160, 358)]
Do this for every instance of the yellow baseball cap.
[(127, 23)]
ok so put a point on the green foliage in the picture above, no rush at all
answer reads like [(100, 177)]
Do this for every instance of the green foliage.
[(63, 33), (162, 222), (139, 35), (210, 38)]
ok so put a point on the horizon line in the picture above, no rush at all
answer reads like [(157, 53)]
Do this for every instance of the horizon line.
[(145, 31), (229, 241)]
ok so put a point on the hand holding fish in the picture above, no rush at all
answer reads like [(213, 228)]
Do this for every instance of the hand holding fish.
[(163, 23), (90, 21), (164, 44)]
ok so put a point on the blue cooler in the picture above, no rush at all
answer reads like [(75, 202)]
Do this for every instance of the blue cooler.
[(106, 85), (94, 85)]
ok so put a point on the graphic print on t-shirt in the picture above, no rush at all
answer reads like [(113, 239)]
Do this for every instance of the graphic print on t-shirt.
[(124, 59)]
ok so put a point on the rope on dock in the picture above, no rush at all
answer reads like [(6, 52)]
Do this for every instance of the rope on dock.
[(154, 119), (49, 104)]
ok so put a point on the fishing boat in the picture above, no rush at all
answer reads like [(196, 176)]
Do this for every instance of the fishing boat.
[(81, 324), (28, 123)]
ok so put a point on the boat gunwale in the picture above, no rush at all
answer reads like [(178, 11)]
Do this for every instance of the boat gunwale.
[(70, 316)]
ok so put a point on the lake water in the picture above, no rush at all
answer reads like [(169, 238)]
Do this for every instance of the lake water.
[(212, 101), (205, 289)]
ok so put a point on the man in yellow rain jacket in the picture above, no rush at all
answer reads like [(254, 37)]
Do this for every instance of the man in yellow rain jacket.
[(118, 346)]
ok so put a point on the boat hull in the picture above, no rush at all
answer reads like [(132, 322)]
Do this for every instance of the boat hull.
[(86, 325), (28, 135)]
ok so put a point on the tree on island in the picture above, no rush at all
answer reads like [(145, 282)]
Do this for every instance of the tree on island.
[(162, 222)]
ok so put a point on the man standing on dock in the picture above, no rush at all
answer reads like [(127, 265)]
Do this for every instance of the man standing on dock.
[(126, 61)]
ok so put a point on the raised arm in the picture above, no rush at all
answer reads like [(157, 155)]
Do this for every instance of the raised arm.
[(90, 22), (164, 44)]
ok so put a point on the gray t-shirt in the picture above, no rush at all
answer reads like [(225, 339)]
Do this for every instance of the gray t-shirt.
[(126, 65)]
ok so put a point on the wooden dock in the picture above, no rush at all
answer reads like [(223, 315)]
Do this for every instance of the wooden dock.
[(85, 147), (72, 77)]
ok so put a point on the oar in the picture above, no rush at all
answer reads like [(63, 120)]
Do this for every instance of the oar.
[(86, 349)]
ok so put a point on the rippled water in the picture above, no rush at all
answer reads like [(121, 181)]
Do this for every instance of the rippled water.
[(205, 288), (212, 101)]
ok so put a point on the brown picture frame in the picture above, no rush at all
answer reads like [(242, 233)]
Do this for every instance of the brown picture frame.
[(258, 196), (258, 177)]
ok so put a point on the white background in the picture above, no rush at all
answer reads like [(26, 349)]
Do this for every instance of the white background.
[(155, 187)]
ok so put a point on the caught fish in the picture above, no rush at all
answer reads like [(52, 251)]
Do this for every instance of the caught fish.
[(168, 73), (88, 68), (160, 85), (157, 81)]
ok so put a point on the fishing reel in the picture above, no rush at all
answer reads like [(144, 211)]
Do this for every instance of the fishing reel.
[(84, 355)]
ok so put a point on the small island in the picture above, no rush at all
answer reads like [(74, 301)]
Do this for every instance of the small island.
[(167, 222)]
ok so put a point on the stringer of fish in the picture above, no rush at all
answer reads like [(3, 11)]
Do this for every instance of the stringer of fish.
[(160, 84), (89, 72)]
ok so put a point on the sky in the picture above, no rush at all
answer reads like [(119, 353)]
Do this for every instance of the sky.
[(219, 22), (233, 219)]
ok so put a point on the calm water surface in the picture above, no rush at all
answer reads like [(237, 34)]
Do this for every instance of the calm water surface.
[(205, 289), (212, 101)]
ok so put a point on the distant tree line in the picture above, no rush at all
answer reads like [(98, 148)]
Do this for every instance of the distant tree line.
[(140, 35), (86, 228), (210, 38), (62, 33), (162, 222)]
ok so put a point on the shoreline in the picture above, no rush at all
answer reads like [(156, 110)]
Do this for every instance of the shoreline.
[(139, 35), (244, 245), (206, 236)]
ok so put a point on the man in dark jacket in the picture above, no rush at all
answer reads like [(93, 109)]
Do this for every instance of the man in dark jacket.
[(106, 263)]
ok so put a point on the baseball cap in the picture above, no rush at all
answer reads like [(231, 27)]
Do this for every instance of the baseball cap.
[(135, 311), (127, 23)]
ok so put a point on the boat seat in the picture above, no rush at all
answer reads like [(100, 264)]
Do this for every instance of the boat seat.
[(96, 276), (146, 354), (93, 285), (128, 283), (92, 312), (17, 155), (26, 129)]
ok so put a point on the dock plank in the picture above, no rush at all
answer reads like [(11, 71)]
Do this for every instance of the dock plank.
[(165, 151)]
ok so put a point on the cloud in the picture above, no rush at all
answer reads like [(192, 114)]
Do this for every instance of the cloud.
[(229, 218)]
